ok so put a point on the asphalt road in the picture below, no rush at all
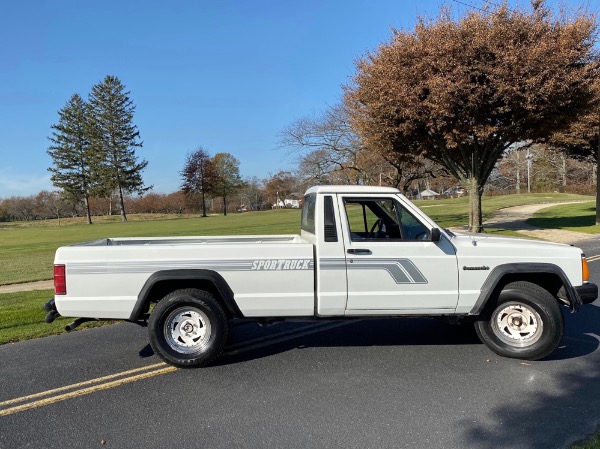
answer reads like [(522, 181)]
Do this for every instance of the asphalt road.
[(411, 383)]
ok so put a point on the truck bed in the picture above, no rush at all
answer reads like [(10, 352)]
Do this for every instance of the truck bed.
[(270, 275), (209, 240)]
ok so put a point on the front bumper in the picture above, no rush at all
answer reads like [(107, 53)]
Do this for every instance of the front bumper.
[(588, 293)]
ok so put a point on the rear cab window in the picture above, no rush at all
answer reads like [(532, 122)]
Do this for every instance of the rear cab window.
[(308, 213)]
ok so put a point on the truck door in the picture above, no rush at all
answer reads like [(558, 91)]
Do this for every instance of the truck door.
[(392, 264)]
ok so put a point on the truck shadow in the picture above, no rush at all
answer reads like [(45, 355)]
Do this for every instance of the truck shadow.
[(561, 412), (581, 336), (551, 403), (578, 341), (249, 341)]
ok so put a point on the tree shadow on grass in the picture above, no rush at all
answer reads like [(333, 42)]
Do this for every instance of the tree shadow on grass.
[(587, 219)]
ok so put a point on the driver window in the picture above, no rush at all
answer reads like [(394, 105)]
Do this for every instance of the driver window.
[(382, 219)]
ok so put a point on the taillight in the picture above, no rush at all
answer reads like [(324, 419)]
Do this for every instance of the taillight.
[(585, 270), (60, 280)]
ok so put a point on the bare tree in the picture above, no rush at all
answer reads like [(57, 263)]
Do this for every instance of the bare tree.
[(329, 151), (198, 175)]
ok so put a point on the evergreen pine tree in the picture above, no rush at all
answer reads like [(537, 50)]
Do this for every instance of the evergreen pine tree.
[(116, 138), (73, 158)]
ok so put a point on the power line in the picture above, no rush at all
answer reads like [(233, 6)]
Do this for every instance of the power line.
[(469, 5)]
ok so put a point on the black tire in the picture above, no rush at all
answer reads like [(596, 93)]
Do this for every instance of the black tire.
[(525, 322), (188, 328)]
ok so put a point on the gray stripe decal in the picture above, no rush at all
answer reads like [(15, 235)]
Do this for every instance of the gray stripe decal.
[(151, 267), (403, 271)]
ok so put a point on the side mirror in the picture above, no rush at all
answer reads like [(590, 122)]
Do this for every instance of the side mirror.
[(436, 235)]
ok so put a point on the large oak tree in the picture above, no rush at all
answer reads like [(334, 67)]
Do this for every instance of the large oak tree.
[(461, 92)]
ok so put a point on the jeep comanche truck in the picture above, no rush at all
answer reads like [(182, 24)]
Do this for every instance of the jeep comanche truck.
[(363, 252)]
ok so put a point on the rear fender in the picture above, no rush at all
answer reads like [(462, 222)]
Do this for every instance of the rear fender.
[(163, 282)]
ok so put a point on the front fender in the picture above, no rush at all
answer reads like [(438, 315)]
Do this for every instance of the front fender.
[(523, 270)]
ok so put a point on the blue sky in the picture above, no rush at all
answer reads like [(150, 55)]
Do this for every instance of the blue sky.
[(225, 75)]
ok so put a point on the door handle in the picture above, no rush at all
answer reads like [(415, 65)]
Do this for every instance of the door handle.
[(359, 251)]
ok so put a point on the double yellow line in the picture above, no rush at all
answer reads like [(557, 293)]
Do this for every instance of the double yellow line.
[(82, 388), (593, 258), (55, 395)]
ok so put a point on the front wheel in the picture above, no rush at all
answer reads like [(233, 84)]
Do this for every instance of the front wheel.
[(188, 328), (524, 323)]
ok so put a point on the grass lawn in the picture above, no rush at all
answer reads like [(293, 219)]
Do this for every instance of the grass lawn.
[(455, 212), (27, 249), (570, 217), (22, 317), (592, 443)]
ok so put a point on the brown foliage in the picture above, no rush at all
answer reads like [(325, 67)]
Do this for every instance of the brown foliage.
[(461, 92)]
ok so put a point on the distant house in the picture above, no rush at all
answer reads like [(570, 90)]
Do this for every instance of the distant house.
[(287, 204), (294, 204), (427, 194), (455, 191)]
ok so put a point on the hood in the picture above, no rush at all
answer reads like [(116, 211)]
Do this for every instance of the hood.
[(484, 240)]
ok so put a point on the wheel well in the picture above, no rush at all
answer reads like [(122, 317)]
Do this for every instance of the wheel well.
[(163, 287), (551, 282)]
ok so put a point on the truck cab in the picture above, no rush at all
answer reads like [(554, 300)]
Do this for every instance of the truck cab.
[(377, 254)]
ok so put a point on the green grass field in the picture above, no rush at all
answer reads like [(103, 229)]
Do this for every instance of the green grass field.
[(591, 443), (27, 249), (570, 217), (22, 317)]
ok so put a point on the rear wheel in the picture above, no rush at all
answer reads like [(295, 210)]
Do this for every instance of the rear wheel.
[(188, 328), (524, 323)]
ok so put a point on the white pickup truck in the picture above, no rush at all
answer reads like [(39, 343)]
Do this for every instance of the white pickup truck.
[(363, 252)]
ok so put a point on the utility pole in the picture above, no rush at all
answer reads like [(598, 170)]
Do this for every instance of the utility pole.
[(528, 157)]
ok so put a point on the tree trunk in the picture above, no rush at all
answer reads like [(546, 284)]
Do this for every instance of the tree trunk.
[(475, 215), (518, 172), (122, 203), (224, 205), (598, 180), (563, 171), (88, 214), (203, 205)]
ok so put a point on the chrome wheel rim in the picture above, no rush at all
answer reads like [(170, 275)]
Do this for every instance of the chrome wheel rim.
[(187, 330), (517, 324)]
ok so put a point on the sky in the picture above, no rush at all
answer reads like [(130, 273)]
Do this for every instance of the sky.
[(225, 75)]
